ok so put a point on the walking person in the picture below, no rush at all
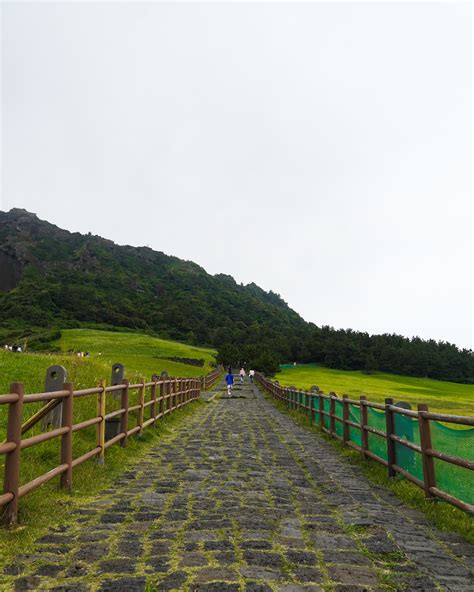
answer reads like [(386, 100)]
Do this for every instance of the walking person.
[(251, 375), (242, 374), (229, 378)]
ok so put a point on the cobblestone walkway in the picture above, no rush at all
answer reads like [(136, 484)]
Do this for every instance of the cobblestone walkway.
[(240, 499)]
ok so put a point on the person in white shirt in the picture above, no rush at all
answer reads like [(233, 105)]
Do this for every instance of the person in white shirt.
[(251, 375), (242, 374)]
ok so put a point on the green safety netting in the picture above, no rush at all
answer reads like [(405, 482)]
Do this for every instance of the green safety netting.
[(455, 480)]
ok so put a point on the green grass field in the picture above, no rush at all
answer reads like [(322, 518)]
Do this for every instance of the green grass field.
[(444, 397), (141, 355)]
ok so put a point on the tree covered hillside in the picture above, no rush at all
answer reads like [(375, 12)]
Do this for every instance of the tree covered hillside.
[(52, 279)]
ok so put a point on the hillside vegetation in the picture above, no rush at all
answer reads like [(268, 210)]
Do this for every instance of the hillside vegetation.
[(445, 397), (142, 356), (51, 279)]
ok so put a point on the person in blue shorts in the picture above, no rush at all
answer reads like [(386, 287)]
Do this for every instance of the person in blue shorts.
[(229, 378)]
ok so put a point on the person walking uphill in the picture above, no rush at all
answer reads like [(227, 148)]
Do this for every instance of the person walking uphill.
[(229, 378), (242, 375)]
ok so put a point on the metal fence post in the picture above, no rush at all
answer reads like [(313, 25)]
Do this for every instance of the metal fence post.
[(425, 444), (12, 459), (66, 439)]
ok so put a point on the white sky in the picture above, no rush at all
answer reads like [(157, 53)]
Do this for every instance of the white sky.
[(323, 151)]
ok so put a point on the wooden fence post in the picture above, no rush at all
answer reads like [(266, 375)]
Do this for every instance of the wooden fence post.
[(141, 411), (390, 429), (153, 398), (364, 434), (66, 439), (345, 419), (167, 391), (174, 391), (162, 396), (124, 416), (100, 430), (332, 411), (12, 459), (429, 477)]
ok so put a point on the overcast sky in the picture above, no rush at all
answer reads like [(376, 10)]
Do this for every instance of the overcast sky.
[(322, 151)]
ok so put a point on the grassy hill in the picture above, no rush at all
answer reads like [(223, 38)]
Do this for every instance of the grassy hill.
[(142, 356), (52, 279), (442, 396)]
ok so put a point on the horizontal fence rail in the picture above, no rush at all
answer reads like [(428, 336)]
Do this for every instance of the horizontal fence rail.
[(418, 445), (154, 400), (210, 379)]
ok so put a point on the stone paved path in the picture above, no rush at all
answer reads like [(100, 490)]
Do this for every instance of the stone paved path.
[(240, 499)]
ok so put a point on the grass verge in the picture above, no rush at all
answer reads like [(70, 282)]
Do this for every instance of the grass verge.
[(439, 513)]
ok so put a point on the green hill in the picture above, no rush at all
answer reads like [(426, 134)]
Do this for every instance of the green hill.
[(142, 356), (52, 279)]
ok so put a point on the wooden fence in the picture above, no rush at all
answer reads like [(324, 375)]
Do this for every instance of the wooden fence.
[(312, 403), (156, 398), (210, 379)]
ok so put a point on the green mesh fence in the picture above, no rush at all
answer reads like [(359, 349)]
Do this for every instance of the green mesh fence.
[(338, 413), (315, 403), (354, 433), (326, 407), (454, 480), (377, 444)]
